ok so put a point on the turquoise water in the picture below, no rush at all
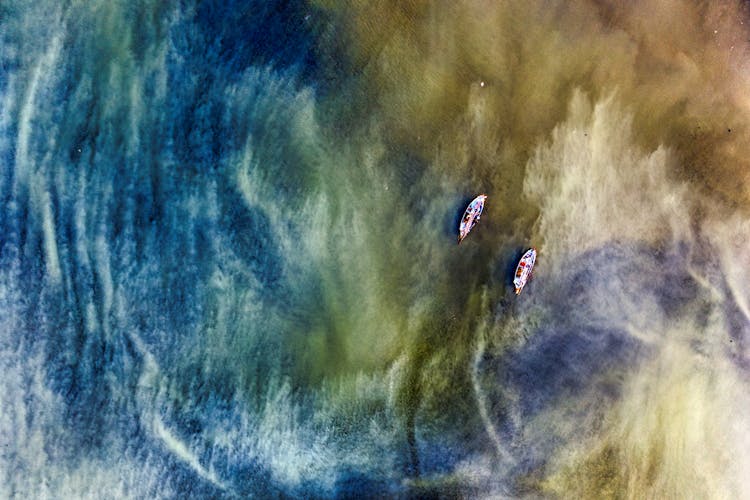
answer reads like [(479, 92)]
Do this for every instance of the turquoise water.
[(228, 263)]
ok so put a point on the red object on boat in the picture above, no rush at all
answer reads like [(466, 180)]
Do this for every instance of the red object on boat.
[(523, 270)]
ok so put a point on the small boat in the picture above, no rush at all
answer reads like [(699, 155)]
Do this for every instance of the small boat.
[(523, 271), (471, 216)]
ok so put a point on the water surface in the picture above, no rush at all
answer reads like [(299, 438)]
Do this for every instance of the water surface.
[(228, 263)]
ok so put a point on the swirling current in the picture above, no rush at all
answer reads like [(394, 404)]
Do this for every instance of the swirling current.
[(228, 265)]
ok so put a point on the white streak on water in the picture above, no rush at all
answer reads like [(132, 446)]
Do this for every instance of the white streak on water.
[(28, 173), (395, 378), (50, 245), (24, 129), (482, 403), (6, 119), (182, 451), (105, 275), (730, 237), (150, 386)]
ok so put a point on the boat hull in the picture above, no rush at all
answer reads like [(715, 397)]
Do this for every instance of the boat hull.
[(471, 216), (523, 270)]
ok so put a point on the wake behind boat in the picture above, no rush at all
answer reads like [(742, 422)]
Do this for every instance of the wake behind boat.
[(523, 271), (471, 216)]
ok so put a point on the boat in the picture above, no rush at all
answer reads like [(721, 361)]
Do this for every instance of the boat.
[(523, 271), (471, 216)]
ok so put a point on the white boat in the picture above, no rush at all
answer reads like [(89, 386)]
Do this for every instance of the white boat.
[(523, 271), (471, 216)]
